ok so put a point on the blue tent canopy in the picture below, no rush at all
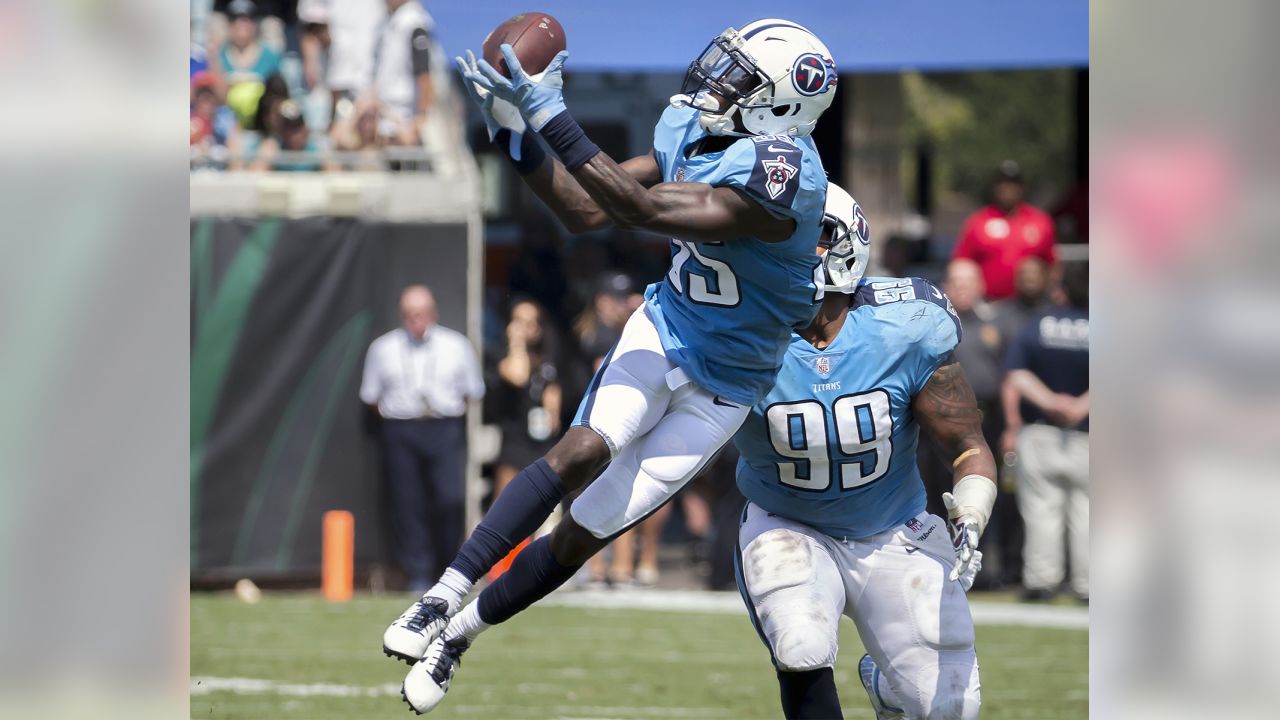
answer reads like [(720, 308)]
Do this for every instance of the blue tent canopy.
[(864, 35)]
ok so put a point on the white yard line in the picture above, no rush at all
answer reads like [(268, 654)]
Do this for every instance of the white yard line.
[(204, 685), (254, 686), (730, 603)]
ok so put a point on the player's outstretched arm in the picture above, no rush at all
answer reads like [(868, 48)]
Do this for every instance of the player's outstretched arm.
[(575, 208), (548, 177), (688, 211), (948, 410)]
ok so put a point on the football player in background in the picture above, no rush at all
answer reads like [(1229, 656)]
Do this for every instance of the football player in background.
[(736, 183), (836, 522)]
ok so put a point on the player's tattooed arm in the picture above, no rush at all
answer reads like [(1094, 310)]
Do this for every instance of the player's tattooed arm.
[(558, 189), (948, 411), (687, 211)]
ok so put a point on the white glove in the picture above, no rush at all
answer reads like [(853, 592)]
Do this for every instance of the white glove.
[(968, 509), (966, 580), (964, 537), (498, 114)]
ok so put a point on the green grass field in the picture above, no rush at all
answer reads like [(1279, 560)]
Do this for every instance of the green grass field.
[(296, 656)]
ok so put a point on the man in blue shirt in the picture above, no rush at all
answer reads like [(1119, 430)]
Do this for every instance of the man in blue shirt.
[(836, 523), (1048, 371), (737, 184)]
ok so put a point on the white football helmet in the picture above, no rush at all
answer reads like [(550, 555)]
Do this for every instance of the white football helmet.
[(772, 77), (846, 239)]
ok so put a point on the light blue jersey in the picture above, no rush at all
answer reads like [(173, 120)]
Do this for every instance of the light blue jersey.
[(725, 310), (833, 444)]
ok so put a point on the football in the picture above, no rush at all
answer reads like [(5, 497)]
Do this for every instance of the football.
[(535, 37)]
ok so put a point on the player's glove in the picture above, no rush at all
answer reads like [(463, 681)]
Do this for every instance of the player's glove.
[(964, 536), (969, 509), (498, 114), (539, 98)]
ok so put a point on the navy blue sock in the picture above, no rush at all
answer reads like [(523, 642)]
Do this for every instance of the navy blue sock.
[(809, 695), (520, 508), (533, 575)]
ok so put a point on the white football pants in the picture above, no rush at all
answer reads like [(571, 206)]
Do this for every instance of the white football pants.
[(661, 428), (1053, 492), (895, 586)]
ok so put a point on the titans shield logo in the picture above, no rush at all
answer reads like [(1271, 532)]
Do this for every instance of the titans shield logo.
[(777, 174)]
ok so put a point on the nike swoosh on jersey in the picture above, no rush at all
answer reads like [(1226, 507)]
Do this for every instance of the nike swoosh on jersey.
[(723, 403), (781, 149), (911, 549)]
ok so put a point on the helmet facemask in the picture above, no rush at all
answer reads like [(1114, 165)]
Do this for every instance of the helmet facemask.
[(722, 80)]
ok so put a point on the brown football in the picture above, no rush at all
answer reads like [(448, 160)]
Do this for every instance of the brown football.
[(535, 37)]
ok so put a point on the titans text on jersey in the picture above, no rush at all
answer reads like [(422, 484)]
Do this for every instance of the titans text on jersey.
[(833, 444), (725, 310)]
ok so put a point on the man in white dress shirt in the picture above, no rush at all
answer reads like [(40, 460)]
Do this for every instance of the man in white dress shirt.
[(419, 378)]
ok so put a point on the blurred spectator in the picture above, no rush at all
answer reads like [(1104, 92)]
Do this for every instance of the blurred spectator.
[(1048, 366), (528, 392), (244, 57), (244, 62), (266, 118), (402, 75), (364, 133), (273, 17), (292, 147), (215, 134), (979, 351), (1030, 297), (418, 378), (314, 41), (338, 43), (599, 326), (1004, 232), (527, 400)]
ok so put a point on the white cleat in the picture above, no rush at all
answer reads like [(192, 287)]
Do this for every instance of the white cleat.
[(871, 680), (413, 632), (427, 682)]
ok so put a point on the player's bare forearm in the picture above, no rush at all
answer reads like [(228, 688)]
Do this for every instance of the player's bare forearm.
[(689, 211), (558, 189), (948, 410)]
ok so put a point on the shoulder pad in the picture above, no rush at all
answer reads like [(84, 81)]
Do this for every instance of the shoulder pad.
[(884, 291)]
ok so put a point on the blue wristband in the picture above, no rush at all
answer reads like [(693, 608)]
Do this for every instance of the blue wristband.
[(531, 152), (566, 138)]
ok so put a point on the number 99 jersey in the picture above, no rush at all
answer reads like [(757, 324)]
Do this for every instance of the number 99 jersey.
[(725, 310), (833, 444)]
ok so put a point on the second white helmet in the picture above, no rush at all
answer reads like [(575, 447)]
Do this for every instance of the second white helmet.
[(847, 241), (772, 77)]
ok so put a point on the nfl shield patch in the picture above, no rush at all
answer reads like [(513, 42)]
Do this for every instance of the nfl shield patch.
[(915, 525), (823, 366)]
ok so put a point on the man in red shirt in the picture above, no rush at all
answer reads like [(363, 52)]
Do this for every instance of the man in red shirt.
[(1000, 235)]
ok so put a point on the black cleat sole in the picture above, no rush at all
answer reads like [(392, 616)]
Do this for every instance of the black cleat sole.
[(410, 661)]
